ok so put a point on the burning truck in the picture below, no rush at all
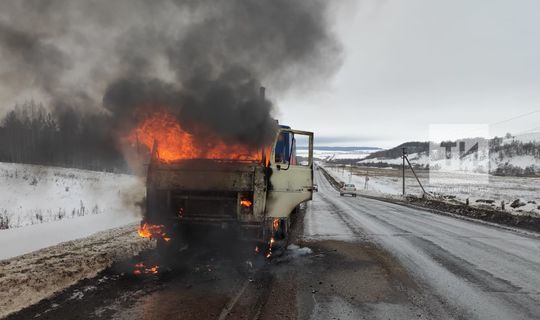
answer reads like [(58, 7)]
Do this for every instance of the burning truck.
[(250, 193)]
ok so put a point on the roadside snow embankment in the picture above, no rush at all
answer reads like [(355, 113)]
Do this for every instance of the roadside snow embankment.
[(27, 279), (519, 194), (42, 206), (59, 226)]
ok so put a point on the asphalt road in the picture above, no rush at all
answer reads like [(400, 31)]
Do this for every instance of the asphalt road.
[(357, 259), (473, 270)]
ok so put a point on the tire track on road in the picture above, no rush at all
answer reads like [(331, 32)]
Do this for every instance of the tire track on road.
[(412, 248)]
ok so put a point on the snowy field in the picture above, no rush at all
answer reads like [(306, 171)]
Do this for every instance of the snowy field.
[(42, 206), (388, 182), (323, 154), (59, 225), (484, 165)]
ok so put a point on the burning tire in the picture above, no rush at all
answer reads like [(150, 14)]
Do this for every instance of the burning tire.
[(279, 237)]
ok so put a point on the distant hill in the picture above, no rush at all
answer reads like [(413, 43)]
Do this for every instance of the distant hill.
[(412, 147), (327, 148), (507, 156), (328, 153)]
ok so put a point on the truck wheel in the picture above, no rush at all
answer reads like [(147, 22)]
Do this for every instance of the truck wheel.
[(341, 194), (281, 239)]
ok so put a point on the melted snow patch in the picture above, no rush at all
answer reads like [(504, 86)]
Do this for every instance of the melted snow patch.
[(296, 251)]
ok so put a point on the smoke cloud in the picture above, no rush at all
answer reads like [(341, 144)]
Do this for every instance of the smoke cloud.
[(201, 60)]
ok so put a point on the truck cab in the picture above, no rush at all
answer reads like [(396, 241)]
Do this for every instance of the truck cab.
[(252, 198)]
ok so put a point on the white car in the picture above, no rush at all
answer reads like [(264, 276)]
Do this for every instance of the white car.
[(348, 189)]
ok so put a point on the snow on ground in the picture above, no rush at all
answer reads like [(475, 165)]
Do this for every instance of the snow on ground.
[(481, 271), (523, 137), (414, 158), (42, 206), (27, 279), (38, 236), (59, 226), (467, 164), (336, 154), (31, 194), (497, 188), (519, 161), (296, 250)]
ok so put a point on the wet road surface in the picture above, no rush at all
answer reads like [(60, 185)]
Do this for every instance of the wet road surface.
[(356, 258), (475, 270)]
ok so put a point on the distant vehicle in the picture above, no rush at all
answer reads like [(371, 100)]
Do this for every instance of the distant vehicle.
[(348, 189), (315, 187)]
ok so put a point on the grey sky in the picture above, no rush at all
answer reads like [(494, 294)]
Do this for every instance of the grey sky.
[(407, 64), (412, 63)]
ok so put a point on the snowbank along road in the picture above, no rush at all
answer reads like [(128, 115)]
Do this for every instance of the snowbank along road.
[(26, 279), (357, 259), (473, 270)]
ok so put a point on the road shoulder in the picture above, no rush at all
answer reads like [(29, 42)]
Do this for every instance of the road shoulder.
[(525, 224), (27, 279)]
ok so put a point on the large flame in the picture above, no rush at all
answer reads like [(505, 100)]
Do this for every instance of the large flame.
[(174, 143), (153, 231)]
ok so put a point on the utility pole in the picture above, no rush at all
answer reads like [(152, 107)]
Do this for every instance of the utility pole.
[(405, 158), (367, 179), (416, 176), (404, 153)]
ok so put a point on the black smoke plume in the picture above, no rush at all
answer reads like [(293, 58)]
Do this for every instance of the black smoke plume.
[(202, 60)]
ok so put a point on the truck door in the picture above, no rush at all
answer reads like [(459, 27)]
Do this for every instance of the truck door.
[(291, 181)]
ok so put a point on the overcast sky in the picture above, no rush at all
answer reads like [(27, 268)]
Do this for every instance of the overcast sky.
[(409, 64)]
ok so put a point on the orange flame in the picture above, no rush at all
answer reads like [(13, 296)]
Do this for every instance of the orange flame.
[(267, 154), (140, 268), (246, 203), (153, 231), (275, 224), (270, 246), (174, 143)]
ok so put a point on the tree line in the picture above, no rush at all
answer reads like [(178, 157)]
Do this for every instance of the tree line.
[(30, 134)]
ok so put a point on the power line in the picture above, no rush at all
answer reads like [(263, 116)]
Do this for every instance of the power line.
[(516, 117), (527, 131), (506, 120)]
